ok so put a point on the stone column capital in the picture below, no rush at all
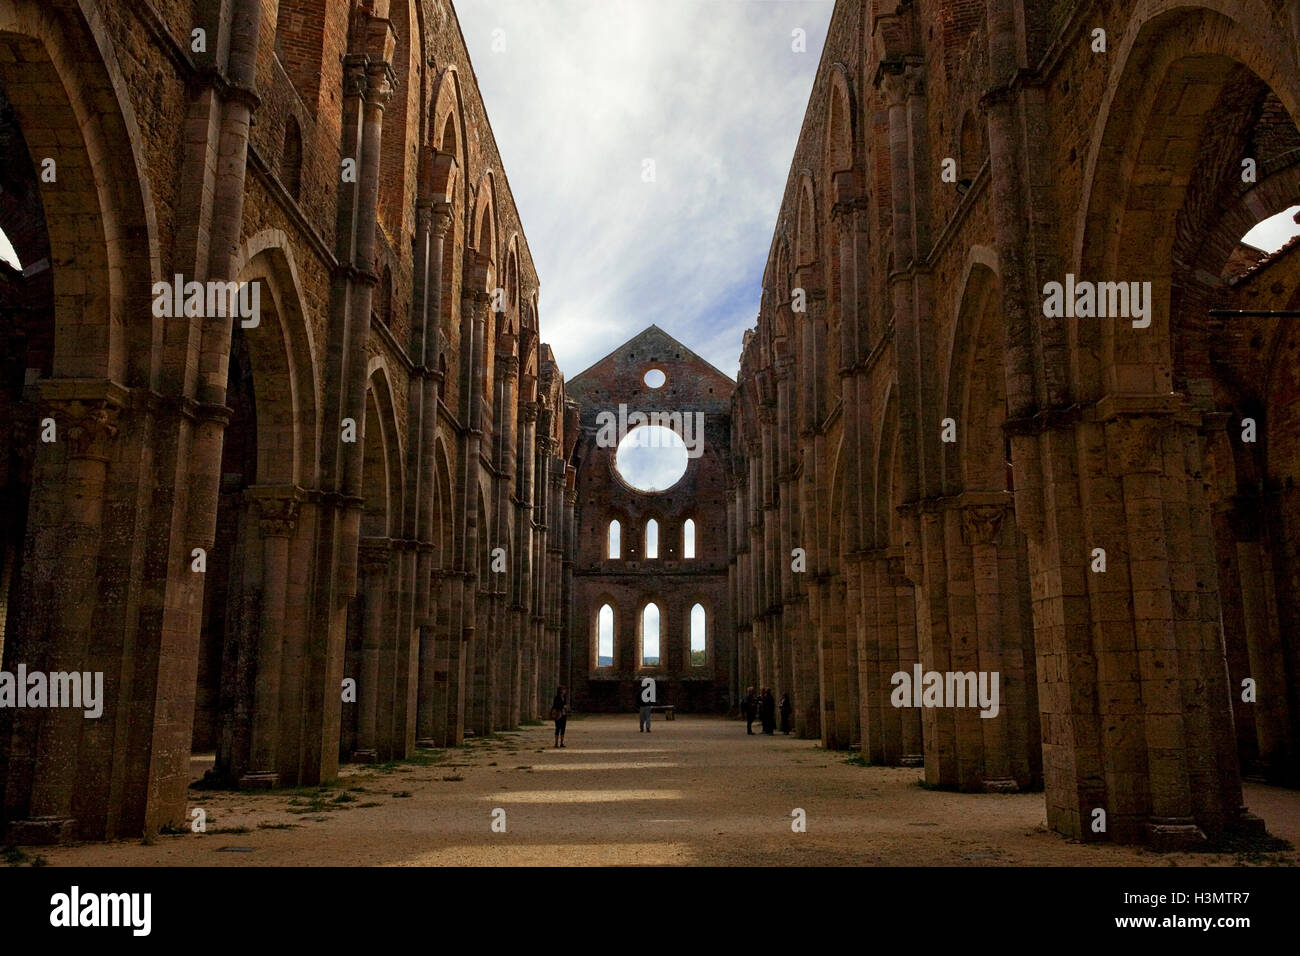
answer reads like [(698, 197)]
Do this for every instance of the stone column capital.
[(901, 81), (354, 75), (441, 223), (982, 523), (277, 509), (86, 418), (507, 368)]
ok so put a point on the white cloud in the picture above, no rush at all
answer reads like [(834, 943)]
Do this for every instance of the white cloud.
[(583, 93)]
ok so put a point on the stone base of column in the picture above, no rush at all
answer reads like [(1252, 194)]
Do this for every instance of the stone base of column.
[(1001, 785), (426, 743), (912, 760), (262, 780), (364, 756), (1245, 823), (1174, 833), (41, 831)]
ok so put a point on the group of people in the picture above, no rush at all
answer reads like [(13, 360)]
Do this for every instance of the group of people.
[(763, 708)]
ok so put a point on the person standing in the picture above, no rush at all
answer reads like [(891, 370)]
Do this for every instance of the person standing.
[(645, 700), (768, 706), (749, 707), (560, 714), (786, 709)]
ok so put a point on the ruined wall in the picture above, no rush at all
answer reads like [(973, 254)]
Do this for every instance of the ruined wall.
[(343, 461), (935, 470), (674, 582)]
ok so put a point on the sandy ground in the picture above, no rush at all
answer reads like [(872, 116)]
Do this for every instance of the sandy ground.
[(694, 791)]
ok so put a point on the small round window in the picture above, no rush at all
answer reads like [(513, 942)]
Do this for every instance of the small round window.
[(655, 378)]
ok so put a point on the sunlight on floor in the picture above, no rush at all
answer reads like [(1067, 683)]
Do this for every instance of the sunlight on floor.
[(629, 765), (581, 796), (557, 854)]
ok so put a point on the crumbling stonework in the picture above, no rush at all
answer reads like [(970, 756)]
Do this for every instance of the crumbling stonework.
[(959, 465), (325, 534)]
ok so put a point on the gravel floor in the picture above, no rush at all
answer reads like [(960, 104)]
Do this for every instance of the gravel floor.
[(694, 791)]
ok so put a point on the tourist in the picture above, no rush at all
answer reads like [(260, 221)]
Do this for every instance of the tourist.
[(560, 714), (768, 709), (786, 709), (644, 709), (749, 707)]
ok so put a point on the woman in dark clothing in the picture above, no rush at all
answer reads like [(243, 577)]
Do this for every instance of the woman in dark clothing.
[(786, 709), (768, 710), (560, 714)]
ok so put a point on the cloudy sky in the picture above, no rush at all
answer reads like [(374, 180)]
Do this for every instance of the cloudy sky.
[(583, 94)]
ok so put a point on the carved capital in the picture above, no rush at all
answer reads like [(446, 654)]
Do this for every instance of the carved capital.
[(277, 510), (381, 83), (901, 81), (507, 368), (354, 76), (981, 524), (88, 425), (442, 220)]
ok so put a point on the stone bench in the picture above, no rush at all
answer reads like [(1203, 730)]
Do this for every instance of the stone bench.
[(665, 709)]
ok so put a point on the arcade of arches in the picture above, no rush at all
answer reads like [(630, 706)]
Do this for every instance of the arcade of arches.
[(373, 515)]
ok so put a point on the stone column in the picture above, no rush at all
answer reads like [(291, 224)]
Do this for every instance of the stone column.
[(59, 595), (374, 558), (277, 518)]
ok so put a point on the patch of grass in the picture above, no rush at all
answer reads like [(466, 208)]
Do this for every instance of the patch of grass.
[(345, 798), (277, 826), (402, 793), (421, 758), (315, 805), (229, 830), (172, 829), (362, 806), (147, 839), (857, 760), (14, 856), (357, 790), (454, 778), (492, 764)]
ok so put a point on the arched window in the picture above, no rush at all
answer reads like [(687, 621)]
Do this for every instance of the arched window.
[(688, 538), (973, 147), (614, 550), (652, 538), (605, 636), (699, 638), (650, 634), (291, 158)]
